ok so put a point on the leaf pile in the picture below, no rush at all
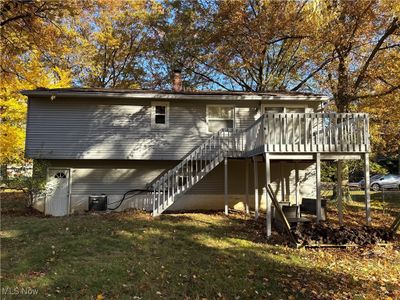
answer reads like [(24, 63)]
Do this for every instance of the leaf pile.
[(325, 233)]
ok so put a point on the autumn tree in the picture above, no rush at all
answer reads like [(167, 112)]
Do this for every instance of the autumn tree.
[(112, 41), (247, 45), (259, 45), (362, 37), (29, 34), (346, 49), (181, 40)]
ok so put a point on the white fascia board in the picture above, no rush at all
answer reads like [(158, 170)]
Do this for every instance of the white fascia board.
[(160, 96)]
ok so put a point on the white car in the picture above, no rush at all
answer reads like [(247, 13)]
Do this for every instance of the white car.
[(389, 181)]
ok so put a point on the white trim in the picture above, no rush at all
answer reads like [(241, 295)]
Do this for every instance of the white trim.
[(264, 105), (309, 156), (221, 105), (127, 95), (153, 114)]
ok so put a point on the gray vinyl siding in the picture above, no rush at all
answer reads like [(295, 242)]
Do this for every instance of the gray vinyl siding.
[(213, 183), (111, 177), (120, 128), (114, 178), (79, 129)]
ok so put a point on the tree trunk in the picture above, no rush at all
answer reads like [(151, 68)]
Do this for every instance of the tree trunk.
[(342, 100), (398, 170), (346, 196), (3, 172), (345, 182)]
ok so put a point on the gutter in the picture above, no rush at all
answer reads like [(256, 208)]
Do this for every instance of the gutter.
[(160, 96)]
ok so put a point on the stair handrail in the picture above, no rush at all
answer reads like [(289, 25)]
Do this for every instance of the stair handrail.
[(208, 154), (196, 148), (184, 159)]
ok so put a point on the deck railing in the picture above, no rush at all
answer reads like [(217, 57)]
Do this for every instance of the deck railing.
[(193, 167), (272, 132), (316, 132)]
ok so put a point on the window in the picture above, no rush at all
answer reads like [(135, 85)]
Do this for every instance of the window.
[(220, 116), (294, 110), (270, 109), (289, 131), (60, 175), (159, 114), (276, 109)]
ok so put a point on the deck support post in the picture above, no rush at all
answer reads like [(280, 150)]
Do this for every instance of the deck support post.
[(256, 202), (154, 201), (318, 185), (226, 185), (339, 191), (282, 181), (267, 198), (247, 186), (296, 188), (367, 190)]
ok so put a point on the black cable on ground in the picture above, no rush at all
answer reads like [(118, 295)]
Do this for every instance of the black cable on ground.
[(136, 191)]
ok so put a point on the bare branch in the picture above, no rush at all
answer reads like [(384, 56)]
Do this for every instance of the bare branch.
[(326, 62), (394, 25)]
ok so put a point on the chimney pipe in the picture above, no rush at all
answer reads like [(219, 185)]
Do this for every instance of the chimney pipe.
[(177, 81)]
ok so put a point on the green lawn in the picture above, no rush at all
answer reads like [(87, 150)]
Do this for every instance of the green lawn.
[(186, 256), (388, 202)]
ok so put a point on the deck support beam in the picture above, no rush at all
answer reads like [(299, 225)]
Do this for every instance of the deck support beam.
[(367, 190), (267, 198), (318, 185), (226, 185), (247, 186), (256, 201), (339, 191)]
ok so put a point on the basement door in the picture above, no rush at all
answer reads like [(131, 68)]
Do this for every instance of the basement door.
[(57, 192)]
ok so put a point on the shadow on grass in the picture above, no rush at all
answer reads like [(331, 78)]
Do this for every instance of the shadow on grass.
[(173, 257), (391, 197)]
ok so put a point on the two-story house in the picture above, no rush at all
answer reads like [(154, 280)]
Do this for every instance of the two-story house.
[(185, 150)]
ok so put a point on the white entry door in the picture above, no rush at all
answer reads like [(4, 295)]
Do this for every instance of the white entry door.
[(57, 192)]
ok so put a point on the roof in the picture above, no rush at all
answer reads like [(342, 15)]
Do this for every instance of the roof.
[(168, 94)]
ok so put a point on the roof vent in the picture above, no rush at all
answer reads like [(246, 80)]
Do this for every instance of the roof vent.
[(177, 81)]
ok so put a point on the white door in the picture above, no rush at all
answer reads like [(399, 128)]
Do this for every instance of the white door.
[(57, 192)]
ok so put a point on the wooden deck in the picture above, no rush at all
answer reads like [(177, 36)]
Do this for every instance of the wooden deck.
[(285, 136), (307, 133)]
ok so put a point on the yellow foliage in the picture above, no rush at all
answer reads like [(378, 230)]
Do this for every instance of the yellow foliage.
[(252, 45), (384, 122), (31, 75), (12, 142)]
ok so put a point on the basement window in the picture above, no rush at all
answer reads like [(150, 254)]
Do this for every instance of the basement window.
[(159, 114)]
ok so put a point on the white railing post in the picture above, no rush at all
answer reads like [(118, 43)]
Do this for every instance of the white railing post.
[(172, 185), (226, 185), (318, 186), (154, 199), (168, 187), (163, 192), (158, 197)]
